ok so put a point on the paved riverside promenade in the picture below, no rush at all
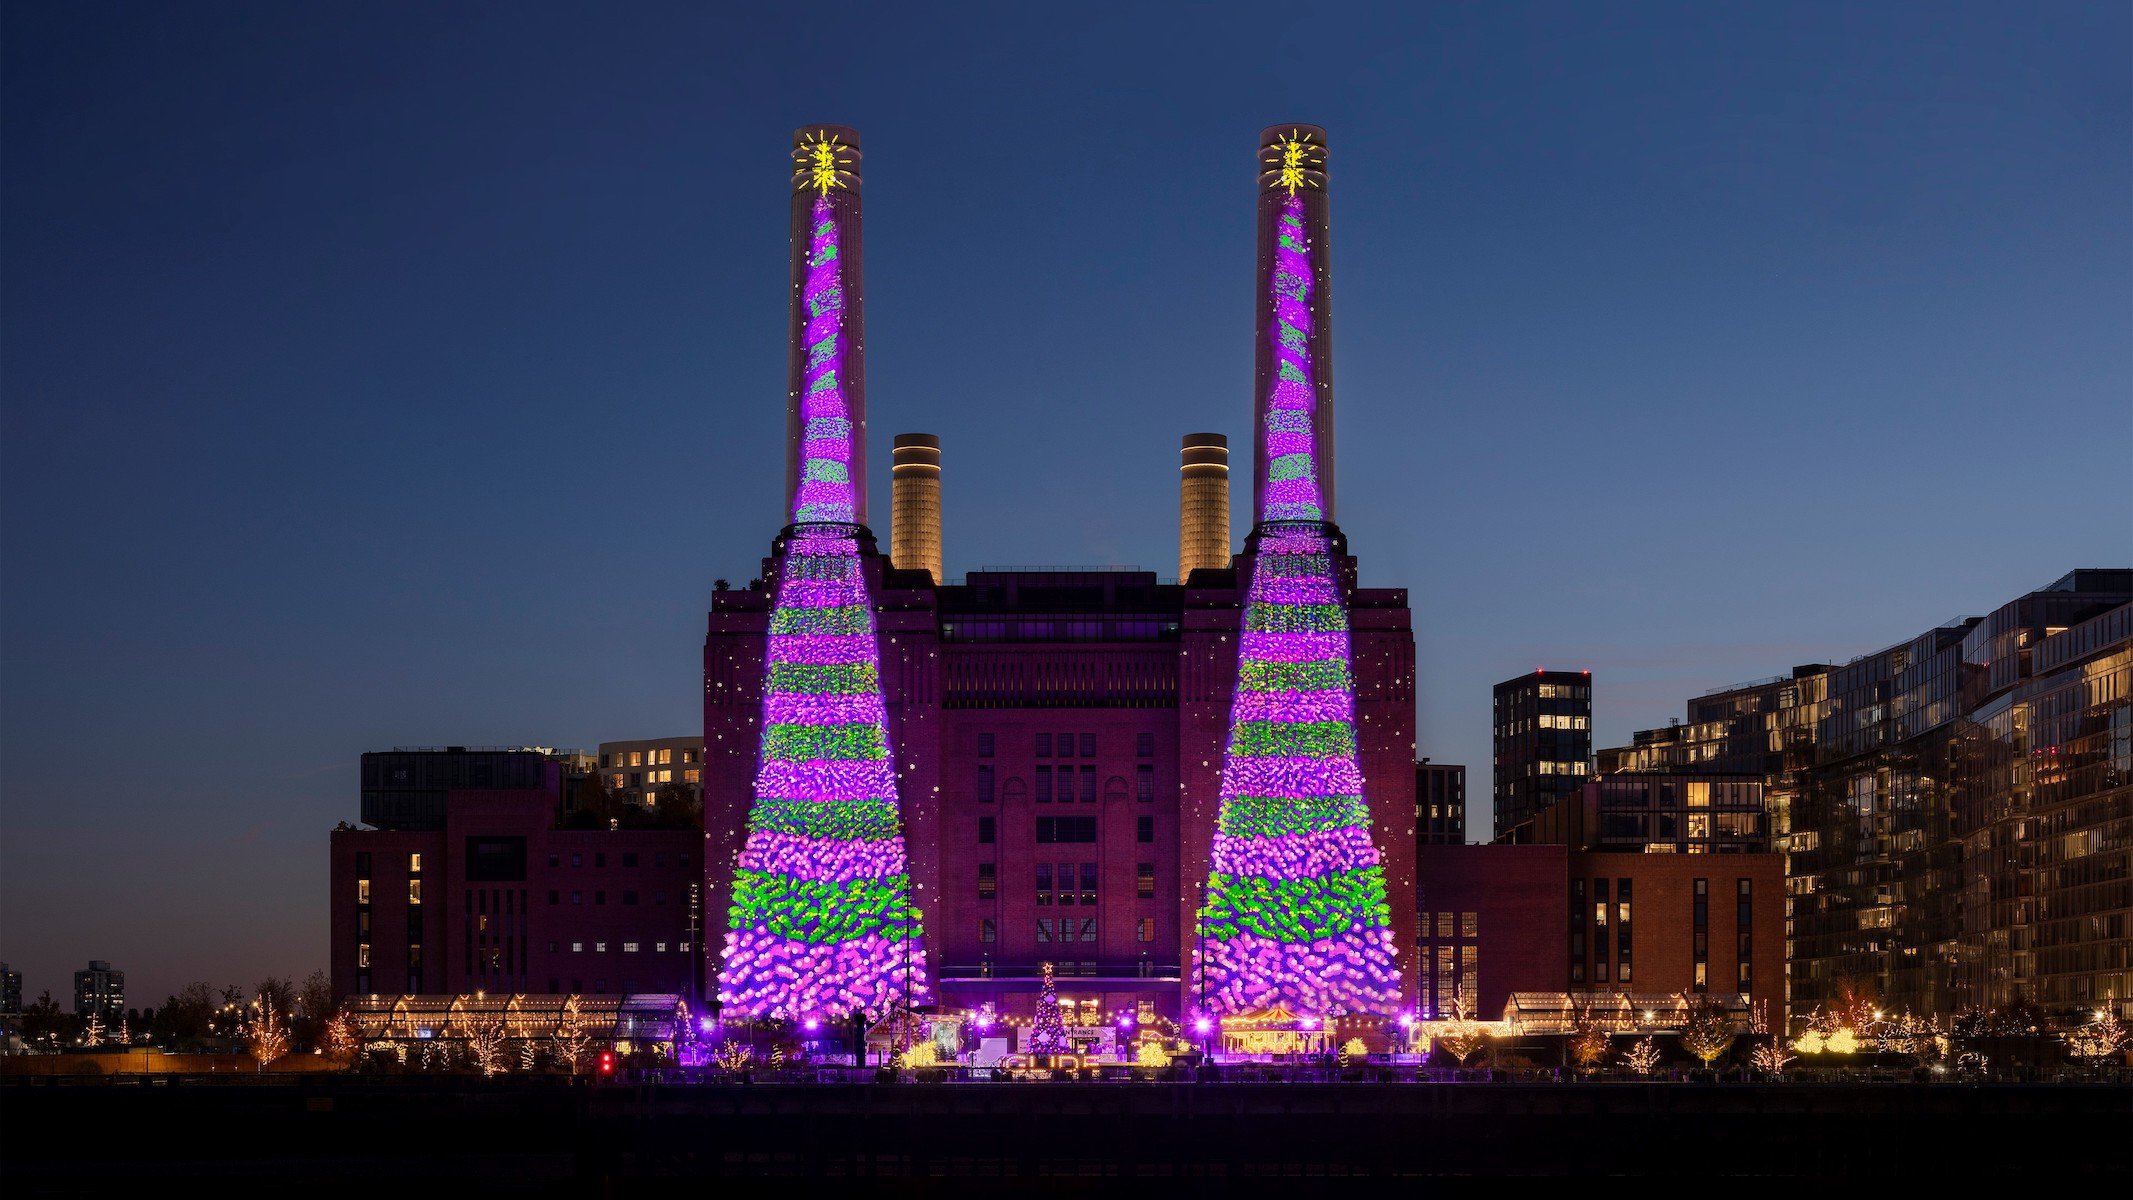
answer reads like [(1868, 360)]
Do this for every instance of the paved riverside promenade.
[(344, 1134)]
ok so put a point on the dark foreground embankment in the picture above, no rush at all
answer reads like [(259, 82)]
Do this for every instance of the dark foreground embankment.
[(397, 1137)]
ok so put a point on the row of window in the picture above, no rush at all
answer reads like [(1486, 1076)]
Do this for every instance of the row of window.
[(1067, 744), (630, 858), (664, 756), (1065, 929), (627, 947), (620, 781), (629, 896), (414, 892), (1065, 829), (1144, 785), (362, 863)]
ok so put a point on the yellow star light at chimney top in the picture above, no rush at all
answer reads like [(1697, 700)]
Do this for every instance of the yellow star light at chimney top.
[(1297, 157), (822, 162)]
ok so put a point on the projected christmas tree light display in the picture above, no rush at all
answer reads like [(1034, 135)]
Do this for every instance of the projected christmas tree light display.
[(822, 922), (1296, 913)]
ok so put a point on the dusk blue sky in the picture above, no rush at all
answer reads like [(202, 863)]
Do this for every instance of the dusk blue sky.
[(404, 374)]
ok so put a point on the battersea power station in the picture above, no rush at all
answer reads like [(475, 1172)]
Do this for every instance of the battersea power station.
[(1183, 801), (1057, 810)]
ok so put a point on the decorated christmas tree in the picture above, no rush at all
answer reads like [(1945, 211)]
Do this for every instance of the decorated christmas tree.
[(822, 922), (1048, 1034), (1296, 914)]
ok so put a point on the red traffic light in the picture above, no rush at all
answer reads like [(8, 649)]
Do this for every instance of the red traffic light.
[(607, 1062)]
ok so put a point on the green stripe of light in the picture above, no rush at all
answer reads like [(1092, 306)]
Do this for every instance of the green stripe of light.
[(871, 820), (828, 470), (858, 741), (841, 619), (1293, 618), (1279, 816), (1295, 910), (1326, 674), (1307, 739), (821, 912), (834, 679), (1289, 466)]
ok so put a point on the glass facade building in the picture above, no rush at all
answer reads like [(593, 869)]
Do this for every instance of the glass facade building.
[(1956, 810), (1543, 744)]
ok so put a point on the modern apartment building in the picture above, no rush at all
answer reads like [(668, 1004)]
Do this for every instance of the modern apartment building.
[(1543, 745), (1956, 810)]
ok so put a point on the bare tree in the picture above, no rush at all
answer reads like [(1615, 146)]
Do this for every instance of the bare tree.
[(485, 1041), (268, 1037), (1589, 1048), (1462, 1036), (571, 1037), (2103, 1037), (1643, 1058)]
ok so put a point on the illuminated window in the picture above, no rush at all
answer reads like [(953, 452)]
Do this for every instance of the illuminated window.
[(636, 758), (692, 775), (362, 891), (414, 864), (414, 891), (666, 756), (629, 947), (577, 947), (599, 947), (1145, 931), (363, 954), (988, 881), (1144, 881)]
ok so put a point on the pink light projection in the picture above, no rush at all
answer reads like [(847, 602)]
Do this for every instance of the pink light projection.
[(821, 923), (1296, 914)]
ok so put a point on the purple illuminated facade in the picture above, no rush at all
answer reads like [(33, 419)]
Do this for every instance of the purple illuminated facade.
[(1296, 913), (822, 921)]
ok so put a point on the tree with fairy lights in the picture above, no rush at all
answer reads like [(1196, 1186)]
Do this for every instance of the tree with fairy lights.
[(571, 1038), (342, 1038), (1047, 1034), (1707, 1029), (1462, 1036), (1589, 1047), (1643, 1058), (485, 1041), (2103, 1037), (267, 1038)]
